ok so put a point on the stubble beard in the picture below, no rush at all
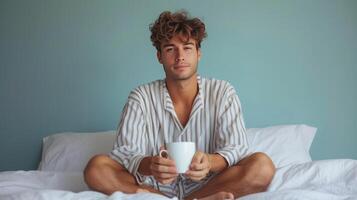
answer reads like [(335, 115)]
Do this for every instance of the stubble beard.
[(184, 77)]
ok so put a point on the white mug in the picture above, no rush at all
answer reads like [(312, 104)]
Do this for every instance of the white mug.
[(181, 152)]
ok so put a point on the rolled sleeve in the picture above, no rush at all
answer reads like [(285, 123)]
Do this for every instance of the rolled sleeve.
[(130, 146), (231, 140)]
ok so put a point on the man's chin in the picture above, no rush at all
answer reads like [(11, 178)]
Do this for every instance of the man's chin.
[(184, 77)]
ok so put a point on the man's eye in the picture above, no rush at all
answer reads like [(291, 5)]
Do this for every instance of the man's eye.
[(188, 48), (169, 49)]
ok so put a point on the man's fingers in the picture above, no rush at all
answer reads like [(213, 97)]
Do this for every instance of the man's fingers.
[(197, 157), (163, 169), (195, 179), (166, 181), (197, 174), (198, 167), (163, 165), (163, 161), (159, 175)]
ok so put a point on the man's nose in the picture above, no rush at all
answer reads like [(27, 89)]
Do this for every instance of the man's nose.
[(180, 55)]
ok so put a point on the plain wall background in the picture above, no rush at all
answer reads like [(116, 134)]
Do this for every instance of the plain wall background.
[(69, 66)]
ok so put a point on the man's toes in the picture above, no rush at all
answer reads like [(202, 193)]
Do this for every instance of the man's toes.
[(139, 190), (226, 195), (220, 196)]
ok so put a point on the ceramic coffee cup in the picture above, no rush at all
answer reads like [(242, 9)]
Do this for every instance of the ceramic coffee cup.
[(181, 152)]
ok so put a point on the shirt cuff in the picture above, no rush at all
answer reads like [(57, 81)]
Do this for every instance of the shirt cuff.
[(228, 156), (134, 166)]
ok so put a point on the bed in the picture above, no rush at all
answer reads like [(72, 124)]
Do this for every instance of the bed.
[(64, 156)]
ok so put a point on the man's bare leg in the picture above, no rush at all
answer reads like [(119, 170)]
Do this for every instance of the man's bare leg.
[(105, 175), (251, 175)]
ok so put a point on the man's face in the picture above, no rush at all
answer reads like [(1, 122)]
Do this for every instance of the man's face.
[(179, 58)]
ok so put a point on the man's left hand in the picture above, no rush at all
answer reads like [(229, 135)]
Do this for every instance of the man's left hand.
[(199, 167)]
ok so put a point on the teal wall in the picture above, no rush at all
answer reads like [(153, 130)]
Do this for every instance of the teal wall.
[(69, 66)]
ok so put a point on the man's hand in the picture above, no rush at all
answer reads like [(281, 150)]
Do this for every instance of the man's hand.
[(199, 167), (163, 169)]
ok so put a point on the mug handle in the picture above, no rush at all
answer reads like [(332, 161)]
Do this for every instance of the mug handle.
[(163, 153)]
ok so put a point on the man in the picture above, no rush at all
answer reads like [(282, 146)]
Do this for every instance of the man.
[(182, 107)]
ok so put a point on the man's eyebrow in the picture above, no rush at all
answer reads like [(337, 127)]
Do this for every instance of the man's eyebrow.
[(168, 45), (189, 43), (172, 45)]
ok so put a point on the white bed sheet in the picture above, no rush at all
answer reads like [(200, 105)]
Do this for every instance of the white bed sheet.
[(325, 179)]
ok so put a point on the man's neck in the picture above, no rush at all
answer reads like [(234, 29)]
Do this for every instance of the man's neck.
[(184, 91)]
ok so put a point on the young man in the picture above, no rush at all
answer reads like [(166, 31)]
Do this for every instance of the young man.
[(182, 107)]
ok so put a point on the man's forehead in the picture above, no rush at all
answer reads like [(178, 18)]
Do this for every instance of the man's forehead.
[(180, 39)]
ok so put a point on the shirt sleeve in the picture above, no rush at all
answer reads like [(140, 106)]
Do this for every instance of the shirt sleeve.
[(231, 140), (129, 147)]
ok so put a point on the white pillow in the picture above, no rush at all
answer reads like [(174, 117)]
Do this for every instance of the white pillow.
[(286, 144), (71, 151)]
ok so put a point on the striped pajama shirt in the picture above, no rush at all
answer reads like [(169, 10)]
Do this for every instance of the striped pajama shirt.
[(149, 121)]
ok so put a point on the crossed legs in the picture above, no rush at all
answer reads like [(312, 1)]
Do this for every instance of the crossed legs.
[(251, 175)]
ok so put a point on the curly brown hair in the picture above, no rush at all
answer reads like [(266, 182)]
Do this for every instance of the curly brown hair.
[(170, 24)]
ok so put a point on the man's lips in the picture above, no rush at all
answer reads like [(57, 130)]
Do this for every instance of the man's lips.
[(180, 66)]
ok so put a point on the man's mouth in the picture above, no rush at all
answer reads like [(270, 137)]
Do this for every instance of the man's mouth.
[(180, 66)]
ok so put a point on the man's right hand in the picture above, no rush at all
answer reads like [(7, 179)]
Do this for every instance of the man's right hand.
[(163, 169)]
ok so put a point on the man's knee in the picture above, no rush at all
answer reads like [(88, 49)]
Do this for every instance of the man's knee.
[(260, 170), (97, 164), (92, 166)]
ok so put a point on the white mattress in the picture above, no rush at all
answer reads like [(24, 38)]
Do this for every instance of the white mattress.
[(325, 179)]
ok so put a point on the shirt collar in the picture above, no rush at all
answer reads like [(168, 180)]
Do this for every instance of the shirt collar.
[(197, 104)]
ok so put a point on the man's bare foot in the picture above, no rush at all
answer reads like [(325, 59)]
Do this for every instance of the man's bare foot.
[(141, 190), (219, 196)]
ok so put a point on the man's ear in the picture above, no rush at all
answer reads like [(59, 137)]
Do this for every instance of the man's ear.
[(158, 55), (199, 54)]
